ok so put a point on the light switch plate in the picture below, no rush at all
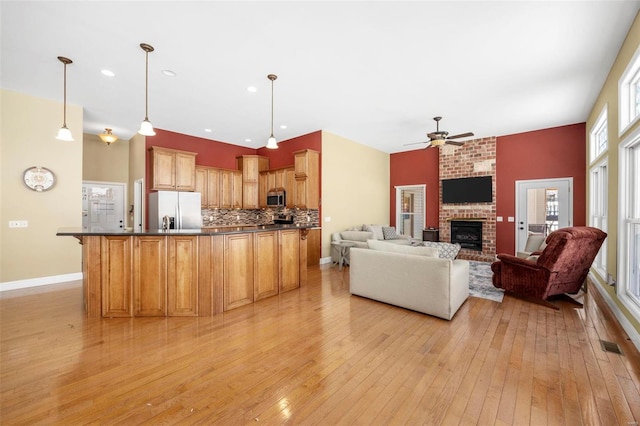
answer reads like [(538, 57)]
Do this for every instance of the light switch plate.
[(18, 224), (511, 219)]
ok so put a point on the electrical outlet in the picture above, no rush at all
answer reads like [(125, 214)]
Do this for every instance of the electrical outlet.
[(611, 280), (18, 224)]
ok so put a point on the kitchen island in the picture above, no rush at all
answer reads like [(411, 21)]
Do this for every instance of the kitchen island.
[(188, 272)]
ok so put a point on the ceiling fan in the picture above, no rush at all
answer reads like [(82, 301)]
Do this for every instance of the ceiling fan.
[(440, 137)]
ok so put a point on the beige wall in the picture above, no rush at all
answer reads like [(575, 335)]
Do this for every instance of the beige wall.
[(27, 138), (137, 164), (105, 163), (609, 97), (355, 186)]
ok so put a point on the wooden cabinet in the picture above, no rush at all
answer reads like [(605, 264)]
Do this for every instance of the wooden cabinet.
[(307, 175), (115, 268), (238, 270), (290, 186), (266, 265), (289, 250), (230, 189), (182, 276), (314, 247), (150, 275), (208, 185), (173, 169), (251, 166), (263, 188)]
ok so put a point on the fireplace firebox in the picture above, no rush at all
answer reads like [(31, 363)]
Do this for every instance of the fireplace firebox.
[(467, 233)]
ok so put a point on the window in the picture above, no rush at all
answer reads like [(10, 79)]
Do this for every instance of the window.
[(598, 212), (410, 210), (628, 288), (598, 138), (629, 93)]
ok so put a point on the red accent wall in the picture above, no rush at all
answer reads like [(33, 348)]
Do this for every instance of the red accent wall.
[(411, 168), (542, 154), (283, 156)]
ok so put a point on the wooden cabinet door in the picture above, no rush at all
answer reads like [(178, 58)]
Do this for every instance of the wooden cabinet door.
[(150, 276), (300, 163), (301, 193), (279, 181), (238, 270), (314, 247), (236, 187), (164, 169), (250, 169), (226, 189), (213, 188), (262, 189), (265, 253), (182, 276), (289, 251), (185, 171), (116, 276), (202, 185), (250, 195), (290, 186)]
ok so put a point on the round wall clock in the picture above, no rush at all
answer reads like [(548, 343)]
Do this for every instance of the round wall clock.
[(39, 178)]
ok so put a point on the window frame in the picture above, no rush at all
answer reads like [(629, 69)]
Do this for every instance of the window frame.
[(598, 210), (626, 94), (600, 126)]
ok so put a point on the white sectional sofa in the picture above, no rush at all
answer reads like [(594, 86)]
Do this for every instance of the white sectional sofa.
[(358, 235), (410, 277)]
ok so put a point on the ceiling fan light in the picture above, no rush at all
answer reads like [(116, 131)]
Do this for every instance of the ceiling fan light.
[(271, 143), (108, 137), (146, 129), (64, 134)]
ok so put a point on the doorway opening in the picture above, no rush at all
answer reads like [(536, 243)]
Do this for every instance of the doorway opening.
[(411, 210)]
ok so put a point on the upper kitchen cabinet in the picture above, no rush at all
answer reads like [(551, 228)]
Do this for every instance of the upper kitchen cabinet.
[(251, 166), (307, 176), (230, 189), (208, 185), (173, 170)]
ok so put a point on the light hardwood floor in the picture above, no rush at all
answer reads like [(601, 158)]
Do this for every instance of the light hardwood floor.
[(315, 356)]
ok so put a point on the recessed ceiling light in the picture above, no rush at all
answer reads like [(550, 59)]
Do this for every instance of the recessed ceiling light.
[(169, 73), (108, 73), (252, 89), (283, 126), (247, 140), (207, 130)]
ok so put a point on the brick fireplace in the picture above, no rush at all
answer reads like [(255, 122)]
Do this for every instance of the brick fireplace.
[(475, 158)]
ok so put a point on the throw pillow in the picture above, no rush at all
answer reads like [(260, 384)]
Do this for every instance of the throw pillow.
[(389, 233), (360, 236), (402, 249), (447, 250), (376, 229)]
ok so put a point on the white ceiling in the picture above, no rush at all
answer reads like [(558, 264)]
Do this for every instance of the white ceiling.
[(375, 72)]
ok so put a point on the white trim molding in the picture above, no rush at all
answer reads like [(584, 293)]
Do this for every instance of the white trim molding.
[(35, 282)]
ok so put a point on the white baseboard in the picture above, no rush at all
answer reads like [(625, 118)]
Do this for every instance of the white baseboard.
[(35, 282), (624, 322), (324, 260)]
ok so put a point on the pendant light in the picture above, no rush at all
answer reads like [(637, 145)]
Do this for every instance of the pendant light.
[(271, 143), (146, 128), (108, 137), (64, 134)]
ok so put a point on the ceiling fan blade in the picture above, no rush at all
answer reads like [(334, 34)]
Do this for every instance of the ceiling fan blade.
[(454, 143), (461, 135), (415, 143)]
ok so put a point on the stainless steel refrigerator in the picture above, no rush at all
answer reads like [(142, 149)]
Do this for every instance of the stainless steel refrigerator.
[(182, 207)]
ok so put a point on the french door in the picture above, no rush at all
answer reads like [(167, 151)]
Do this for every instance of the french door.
[(410, 210), (542, 206)]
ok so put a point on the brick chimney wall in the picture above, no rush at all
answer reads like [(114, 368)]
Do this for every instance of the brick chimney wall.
[(475, 158)]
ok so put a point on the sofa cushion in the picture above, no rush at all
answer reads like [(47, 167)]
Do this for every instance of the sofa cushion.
[(389, 233), (447, 250), (403, 249), (376, 229), (361, 236)]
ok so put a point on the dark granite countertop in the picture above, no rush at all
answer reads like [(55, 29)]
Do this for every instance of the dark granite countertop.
[(78, 232)]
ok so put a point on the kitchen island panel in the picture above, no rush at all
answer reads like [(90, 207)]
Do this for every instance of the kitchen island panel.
[(238, 270), (150, 276), (182, 276), (92, 275), (265, 253), (289, 259), (116, 276)]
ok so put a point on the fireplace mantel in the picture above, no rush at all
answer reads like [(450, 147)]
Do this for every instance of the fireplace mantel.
[(467, 219)]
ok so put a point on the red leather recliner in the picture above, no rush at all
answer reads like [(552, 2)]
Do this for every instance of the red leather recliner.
[(561, 268)]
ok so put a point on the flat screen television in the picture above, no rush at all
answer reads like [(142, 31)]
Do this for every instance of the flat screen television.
[(467, 190)]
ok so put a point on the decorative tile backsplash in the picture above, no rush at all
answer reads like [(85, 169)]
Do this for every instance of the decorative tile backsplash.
[(221, 217)]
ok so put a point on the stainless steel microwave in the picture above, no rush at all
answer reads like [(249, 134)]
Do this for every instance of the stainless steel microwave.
[(276, 198)]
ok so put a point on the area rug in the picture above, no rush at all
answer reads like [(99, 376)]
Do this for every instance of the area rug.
[(480, 282)]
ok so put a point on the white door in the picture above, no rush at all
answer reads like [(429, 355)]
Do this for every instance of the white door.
[(138, 205), (410, 210), (103, 207), (542, 206)]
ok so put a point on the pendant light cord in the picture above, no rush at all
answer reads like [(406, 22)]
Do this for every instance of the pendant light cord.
[(64, 108), (272, 108), (146, 87)]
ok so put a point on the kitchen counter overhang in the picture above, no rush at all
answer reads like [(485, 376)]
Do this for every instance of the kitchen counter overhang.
[(188, 272)]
